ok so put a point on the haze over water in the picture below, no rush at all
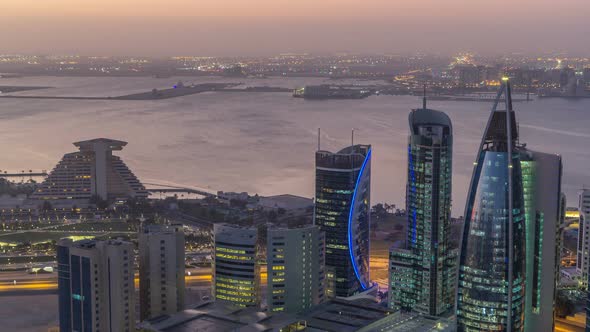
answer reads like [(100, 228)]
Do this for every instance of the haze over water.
[(257, 27), (265, 142)]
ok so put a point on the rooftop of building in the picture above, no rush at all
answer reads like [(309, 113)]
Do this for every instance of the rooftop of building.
[(161, 228), (414, 322), (340, 315), (350, 157), (233, 227), (90, 244), (427, 116), (218, 317), (232, 235), (287, 202), (362, 149), (89, 145), (272, 227)]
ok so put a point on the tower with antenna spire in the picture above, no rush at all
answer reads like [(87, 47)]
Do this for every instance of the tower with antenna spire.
[(424, 98), (508, 258), (342, 211), (422, 269)]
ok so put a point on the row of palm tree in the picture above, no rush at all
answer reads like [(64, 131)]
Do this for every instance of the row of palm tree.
[(23, 171)]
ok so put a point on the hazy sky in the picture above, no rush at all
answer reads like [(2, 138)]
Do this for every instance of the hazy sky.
[(234, 27)]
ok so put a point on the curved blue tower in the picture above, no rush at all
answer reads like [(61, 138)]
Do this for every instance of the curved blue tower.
[(342, 211)]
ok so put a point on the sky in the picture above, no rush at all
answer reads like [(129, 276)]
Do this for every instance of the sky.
[(260, 27)]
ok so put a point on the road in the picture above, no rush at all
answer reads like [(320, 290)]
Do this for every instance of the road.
[(188, 220), (576, 323), (564, 326), (31, 284)]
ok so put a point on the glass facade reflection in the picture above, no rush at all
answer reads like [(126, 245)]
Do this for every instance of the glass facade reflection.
[(64, 289), (342, 211), (492, 270), (422, 273), (483, 274)]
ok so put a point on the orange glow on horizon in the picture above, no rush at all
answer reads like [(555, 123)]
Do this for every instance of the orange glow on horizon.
[(271, 8)]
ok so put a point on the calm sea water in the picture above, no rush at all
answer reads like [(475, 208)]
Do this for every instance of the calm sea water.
[(265, 142)]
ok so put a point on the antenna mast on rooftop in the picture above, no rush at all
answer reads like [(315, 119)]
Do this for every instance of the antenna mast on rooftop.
[(424, 97)]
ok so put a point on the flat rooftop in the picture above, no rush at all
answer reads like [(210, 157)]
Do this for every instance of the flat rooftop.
[(218, 317), (89, 145), (205, 323), (287, 202), (344, 316)]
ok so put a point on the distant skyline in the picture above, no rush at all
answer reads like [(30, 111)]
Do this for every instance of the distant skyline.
[(262, 27)]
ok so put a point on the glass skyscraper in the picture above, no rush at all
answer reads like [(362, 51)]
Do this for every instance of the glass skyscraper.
[(491, 287), (342, 211), (422, 273)]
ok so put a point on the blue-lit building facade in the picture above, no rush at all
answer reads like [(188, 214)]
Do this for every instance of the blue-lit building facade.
[(492, 269), (96, 289), (342, 211), (422, 272)]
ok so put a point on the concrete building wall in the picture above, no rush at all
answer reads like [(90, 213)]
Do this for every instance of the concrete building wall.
[(542, 186), (161, 270), (295, 260), (584, 236), (96, 287)]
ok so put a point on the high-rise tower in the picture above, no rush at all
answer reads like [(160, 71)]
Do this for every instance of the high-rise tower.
[(544, 215), (161, 270), (342, 211), (422, 273), (491, 276), (295, 268), (96, 289), (583, 261), (236, 272)]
